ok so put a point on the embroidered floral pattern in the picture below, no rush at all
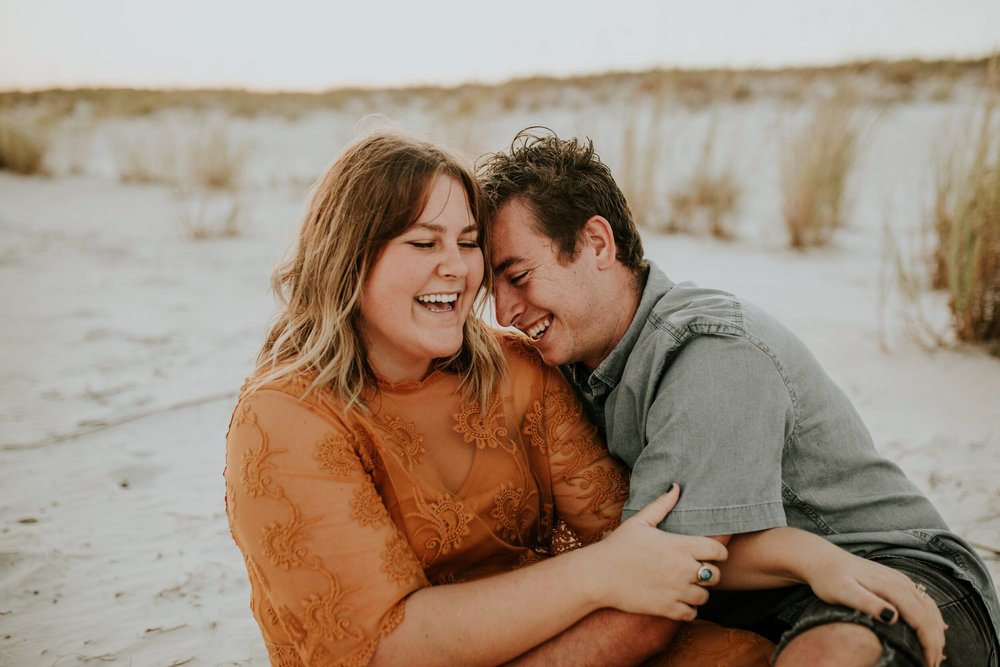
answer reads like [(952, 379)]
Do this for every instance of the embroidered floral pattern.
[(409, 443), (367, 507), (292, 625), (533, 427), (336, 454), (398, 562), (508, 507), (328, 617), (367, 451), (282, 656), (254, 463), (604, 484), (579, 452), (561, 408), (281, 544), (448, 519), (484, 430), (523, 348)]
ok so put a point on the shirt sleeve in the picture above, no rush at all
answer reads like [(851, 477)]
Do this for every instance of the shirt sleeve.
[(717, 426), (589, 485), (328, 568)]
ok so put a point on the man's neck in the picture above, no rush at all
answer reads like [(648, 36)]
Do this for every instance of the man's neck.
[(620, 319)]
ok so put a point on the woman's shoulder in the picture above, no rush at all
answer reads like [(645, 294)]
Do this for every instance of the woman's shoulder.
[(525, 368), (295, 391), (516, 346)]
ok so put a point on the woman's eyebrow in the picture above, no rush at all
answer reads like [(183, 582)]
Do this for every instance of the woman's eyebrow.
[(439, 229)]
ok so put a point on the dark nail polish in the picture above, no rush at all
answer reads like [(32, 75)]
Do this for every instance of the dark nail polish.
[(887, 615)]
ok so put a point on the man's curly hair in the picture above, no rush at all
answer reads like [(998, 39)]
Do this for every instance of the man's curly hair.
[(564, 183)]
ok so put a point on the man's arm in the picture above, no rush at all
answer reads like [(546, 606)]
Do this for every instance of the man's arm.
[(605, 637), (783, 556)]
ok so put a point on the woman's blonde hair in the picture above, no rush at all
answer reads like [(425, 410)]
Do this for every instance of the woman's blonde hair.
[(374, 192)]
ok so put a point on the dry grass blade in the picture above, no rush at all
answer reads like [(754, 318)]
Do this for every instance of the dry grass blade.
[(816, 164), (213, 159), (966, 219), (712, 195), (22, 149)]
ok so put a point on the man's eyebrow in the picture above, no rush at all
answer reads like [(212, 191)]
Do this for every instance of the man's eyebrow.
[(439, 229), (506, 264)]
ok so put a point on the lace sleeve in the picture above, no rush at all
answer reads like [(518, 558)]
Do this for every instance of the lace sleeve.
[(589, 485), (329, 570)]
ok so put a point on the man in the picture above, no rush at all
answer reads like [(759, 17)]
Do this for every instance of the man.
[(696, 386)]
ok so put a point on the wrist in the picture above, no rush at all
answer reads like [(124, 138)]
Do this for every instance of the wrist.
[(588, 574)]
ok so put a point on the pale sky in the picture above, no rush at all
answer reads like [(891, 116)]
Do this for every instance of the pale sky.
[(313, 45)]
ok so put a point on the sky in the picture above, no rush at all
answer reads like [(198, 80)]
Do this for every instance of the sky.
[(321, 44)]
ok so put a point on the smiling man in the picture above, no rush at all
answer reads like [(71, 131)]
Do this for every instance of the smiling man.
[(699, 387)]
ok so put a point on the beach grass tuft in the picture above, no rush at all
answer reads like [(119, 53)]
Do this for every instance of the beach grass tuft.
[(815, 165), (22, 148), (966, 222)]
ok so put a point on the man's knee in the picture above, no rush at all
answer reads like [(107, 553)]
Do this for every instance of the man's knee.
[(840, 644)]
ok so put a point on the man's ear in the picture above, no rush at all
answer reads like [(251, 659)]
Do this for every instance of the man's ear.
[(599, 237)]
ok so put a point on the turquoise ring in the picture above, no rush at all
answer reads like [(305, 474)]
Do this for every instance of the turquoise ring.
[(705, 573)]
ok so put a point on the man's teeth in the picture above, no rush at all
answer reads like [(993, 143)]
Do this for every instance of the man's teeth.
[(536, 331), (438, 298)]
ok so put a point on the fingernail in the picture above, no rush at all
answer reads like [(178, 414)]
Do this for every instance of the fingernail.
[(887, 615)]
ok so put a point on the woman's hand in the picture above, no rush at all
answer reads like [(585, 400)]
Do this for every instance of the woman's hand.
[(840, 577), (647, 571)]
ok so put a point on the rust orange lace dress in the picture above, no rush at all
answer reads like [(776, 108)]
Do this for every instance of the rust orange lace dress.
[(340, 517)]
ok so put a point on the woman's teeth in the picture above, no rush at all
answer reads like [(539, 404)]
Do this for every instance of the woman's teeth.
[(447, 301), (536, 331)]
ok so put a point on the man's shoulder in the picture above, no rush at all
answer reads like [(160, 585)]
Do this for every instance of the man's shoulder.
[(688, 310)]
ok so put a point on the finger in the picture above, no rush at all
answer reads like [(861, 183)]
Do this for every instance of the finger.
[(708, 575), (920, 611), (653, 513), (709, 549), (864, 600), (693, 596), (679, 611)]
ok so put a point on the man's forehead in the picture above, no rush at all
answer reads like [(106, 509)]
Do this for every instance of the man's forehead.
[(515, 235)]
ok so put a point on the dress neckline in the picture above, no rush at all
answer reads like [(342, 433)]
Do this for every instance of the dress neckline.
[(411, 385)]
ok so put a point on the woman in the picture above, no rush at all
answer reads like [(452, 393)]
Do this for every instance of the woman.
[(362, 471), (398, 475)]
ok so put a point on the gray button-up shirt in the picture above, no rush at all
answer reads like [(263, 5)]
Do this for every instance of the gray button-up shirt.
[(708, 391)]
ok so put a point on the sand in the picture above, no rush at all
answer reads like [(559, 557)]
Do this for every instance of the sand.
[(124, 343)]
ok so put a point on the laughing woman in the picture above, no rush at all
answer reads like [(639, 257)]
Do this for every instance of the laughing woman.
[(399, 476)]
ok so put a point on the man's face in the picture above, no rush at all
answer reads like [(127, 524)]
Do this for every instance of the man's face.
[(544, 297)]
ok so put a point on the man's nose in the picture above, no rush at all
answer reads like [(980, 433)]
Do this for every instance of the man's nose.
[(507, 305)]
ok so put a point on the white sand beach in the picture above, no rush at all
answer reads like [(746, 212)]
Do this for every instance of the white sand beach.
[(125, 339)]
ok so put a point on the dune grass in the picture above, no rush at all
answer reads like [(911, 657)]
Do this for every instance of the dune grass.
[(708, 199), (22, 148), (815, 166), (966, 223)]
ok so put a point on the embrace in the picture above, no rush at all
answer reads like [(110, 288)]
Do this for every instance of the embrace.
[(643, 473)]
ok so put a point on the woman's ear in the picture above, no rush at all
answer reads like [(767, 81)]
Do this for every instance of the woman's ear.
[(600, 238)]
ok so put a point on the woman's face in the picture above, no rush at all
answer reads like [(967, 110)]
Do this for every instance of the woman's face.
[(422, 287)]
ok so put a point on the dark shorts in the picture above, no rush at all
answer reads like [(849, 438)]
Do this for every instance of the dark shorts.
[(784, 614)]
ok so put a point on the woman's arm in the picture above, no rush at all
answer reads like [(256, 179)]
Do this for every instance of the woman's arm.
[(499, 618)]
